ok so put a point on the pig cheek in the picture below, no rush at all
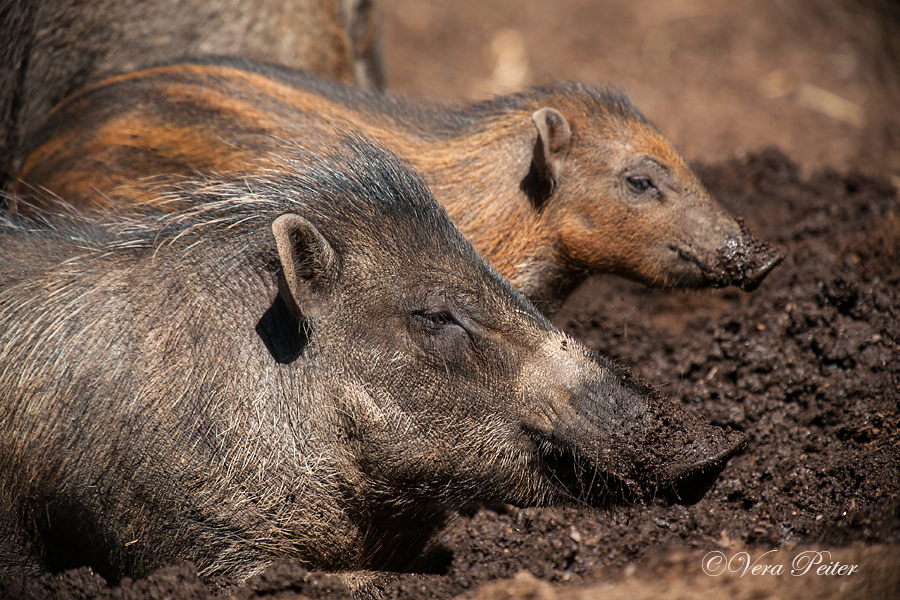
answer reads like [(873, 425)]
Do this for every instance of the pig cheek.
[(587, 236), (605, 234), (622, 248)]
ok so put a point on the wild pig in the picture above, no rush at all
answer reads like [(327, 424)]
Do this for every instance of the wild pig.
[(50, 49), (309, 363), (551, 184)]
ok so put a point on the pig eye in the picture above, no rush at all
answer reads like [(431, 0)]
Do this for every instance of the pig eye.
[(444, 335), (640, 184), (436, 319), (447, 324)]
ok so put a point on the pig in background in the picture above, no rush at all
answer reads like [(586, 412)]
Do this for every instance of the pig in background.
[(551, 184), (310, 363), (50, 49)]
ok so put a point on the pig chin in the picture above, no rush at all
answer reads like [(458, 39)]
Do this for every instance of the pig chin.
[(578, 479)]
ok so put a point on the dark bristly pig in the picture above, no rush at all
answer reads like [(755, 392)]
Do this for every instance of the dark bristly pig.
[(311, 363), (551, 184)]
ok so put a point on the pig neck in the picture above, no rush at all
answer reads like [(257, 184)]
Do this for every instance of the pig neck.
[(477, 173)]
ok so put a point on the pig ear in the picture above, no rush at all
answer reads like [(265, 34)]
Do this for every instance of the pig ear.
[(554, 139), (307, 261)]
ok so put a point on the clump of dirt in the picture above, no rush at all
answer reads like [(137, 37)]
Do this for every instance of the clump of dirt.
[(807, 366)]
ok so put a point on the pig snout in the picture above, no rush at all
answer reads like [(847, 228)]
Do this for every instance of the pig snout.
[(744, 260), (687, 453), (723, 252), (667, 452), (619, 441)]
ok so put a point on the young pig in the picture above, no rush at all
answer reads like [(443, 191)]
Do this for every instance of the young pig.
[(551, 184)]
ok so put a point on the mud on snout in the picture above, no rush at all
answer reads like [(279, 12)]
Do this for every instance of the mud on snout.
[(740, 259), (613, 439), (744, 260)]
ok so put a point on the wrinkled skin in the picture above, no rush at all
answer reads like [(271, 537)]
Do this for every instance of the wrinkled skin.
[(316, 365), (551, 184)]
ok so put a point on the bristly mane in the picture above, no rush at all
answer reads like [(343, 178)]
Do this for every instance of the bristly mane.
[(357, 182), (434, 118)]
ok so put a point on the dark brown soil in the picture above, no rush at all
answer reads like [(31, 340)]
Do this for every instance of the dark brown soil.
[(808, 365)]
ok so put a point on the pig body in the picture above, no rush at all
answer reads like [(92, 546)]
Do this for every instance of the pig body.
[(314, 365), (53, 48), (551, 184)]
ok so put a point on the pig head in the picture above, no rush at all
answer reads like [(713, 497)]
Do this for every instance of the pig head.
[(624, 201)]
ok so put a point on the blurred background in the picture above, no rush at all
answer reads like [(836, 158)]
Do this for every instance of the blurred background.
[(819, 79)]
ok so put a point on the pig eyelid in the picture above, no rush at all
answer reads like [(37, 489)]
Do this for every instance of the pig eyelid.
[(647, 167), (441, 317), (438, 318), (437, 311), (652, 163)]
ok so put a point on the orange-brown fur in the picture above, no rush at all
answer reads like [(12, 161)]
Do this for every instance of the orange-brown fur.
[(119, 141), (51, 49)]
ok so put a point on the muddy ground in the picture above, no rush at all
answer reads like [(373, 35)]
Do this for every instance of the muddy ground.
[(808, 365)]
